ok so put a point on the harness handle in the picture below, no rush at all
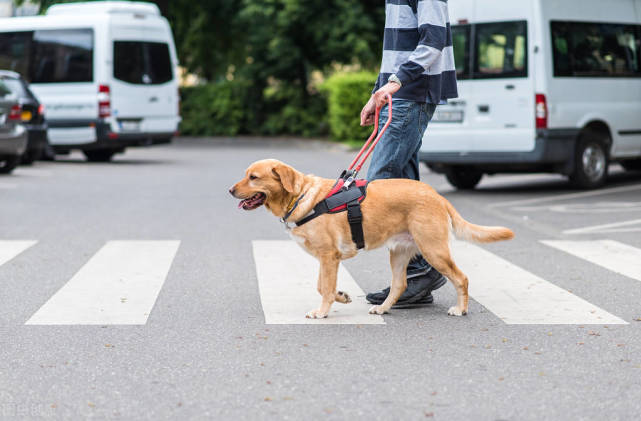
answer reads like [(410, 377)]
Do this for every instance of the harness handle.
[(353, 166)]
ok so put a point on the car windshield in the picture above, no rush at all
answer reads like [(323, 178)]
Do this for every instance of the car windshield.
[(4, 91), (15, 86)]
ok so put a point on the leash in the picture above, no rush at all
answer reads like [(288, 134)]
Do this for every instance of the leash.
[(344, 196), (349, 175)]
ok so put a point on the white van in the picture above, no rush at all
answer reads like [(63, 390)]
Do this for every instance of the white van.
[(544, 85), (106, 72)]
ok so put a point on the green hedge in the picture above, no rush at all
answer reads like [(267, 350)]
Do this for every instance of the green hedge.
[(229, 108), (347, 93), (215, 109)]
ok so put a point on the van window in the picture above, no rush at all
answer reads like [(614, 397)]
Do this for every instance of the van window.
[(15, 51), (461, 46), (62, 56), (49, 56), (501, 50), (142, 63), (583, 49)]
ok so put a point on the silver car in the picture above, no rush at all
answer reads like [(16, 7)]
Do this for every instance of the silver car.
[(13, 136)]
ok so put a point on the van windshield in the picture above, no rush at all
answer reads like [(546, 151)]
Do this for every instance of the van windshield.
[(49, 56), (142, 63)]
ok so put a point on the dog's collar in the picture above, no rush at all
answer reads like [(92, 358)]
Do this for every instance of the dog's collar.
[(291, 208)]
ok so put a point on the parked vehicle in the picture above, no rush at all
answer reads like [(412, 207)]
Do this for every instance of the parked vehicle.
[(104, 70), (13, 136), (544, 85), (31, 114)]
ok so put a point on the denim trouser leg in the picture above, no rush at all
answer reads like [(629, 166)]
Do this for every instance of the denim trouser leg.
[(396, 154)]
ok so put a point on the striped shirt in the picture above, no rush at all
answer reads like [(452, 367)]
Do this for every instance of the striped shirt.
[(417, 47)]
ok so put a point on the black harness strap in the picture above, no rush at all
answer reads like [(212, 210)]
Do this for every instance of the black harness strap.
[(350, 197)]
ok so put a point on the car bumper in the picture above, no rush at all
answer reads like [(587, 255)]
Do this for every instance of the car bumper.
[(104, 138), (13, 142), (554, 148)]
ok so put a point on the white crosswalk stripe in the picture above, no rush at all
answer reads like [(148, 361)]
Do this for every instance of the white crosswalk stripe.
[(11, 248), (287, 281), (118, 285), (517, 296), (617, 257)]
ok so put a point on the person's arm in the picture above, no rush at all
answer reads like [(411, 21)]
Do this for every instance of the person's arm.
[(432, 28)]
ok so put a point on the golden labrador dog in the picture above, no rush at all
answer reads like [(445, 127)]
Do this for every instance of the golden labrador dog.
[(407, 216)]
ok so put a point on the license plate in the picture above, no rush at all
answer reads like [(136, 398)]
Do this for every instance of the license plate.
[(130, 126), (26, 116), (448, 116)]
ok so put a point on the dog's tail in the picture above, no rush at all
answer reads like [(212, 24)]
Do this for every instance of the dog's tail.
[(464, 230)]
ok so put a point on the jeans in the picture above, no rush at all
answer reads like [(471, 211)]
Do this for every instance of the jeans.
[(396, 154)]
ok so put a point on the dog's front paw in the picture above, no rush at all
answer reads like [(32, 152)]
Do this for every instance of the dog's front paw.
[(377, 310), (343, 297), (455, 311), (316, 314)]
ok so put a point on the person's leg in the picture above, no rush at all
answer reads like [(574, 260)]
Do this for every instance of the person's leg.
[(396, 156), (418, 266)]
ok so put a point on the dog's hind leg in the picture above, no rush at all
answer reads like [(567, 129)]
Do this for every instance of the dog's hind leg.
[(327, 286), (437, 253), (399, 258)]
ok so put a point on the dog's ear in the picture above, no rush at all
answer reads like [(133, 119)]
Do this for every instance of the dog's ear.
[(288, 177)]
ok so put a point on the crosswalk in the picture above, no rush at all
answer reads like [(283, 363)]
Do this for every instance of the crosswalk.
[(120, 283)]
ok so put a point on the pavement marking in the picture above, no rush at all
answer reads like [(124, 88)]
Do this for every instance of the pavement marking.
[(612, 255), (117, 286), (287, 278), (32, 172), (568, 196), (625, 226), (11, 248), (517, 296)]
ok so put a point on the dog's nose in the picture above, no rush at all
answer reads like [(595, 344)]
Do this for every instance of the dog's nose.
[(232, 191)]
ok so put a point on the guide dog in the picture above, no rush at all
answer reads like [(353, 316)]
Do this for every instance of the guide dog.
[(407, 216)]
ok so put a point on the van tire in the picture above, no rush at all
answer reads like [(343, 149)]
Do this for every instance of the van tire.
[(9, 163), (463, 178), (99, 155), (633, 165), (591, 160)]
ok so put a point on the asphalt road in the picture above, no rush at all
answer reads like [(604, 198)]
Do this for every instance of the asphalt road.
[(205, 351)]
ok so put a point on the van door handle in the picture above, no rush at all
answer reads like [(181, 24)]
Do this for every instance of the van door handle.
[(153, 99), (484, 108), (510, 87)]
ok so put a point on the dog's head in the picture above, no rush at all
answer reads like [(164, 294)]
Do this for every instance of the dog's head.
[(268, 182)]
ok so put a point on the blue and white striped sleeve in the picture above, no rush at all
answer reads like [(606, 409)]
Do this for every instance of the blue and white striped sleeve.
[(433, 29)]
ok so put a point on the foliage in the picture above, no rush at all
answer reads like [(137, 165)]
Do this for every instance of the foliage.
[(215, 109), (347, 93)]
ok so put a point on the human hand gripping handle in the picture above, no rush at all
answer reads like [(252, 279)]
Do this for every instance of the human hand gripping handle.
[(378, 100)]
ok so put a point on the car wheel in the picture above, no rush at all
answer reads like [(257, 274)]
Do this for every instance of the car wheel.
[(30, 156), (634, 165), (8, 164), (99, 155), (463, 178), (591, 161)]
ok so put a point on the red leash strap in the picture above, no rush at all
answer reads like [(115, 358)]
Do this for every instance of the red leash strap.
[(353, 165)]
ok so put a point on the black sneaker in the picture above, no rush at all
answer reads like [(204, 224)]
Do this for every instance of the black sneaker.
[(418, 292)]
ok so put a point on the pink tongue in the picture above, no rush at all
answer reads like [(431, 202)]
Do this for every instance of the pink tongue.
[(240, 204)]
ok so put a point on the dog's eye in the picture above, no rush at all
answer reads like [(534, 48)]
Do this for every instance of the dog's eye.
[(252, 177)]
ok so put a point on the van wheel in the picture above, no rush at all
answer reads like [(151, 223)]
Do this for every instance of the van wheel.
[(591, 161), (463, 178), (99, 155), (8, 164), (634, 165)]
